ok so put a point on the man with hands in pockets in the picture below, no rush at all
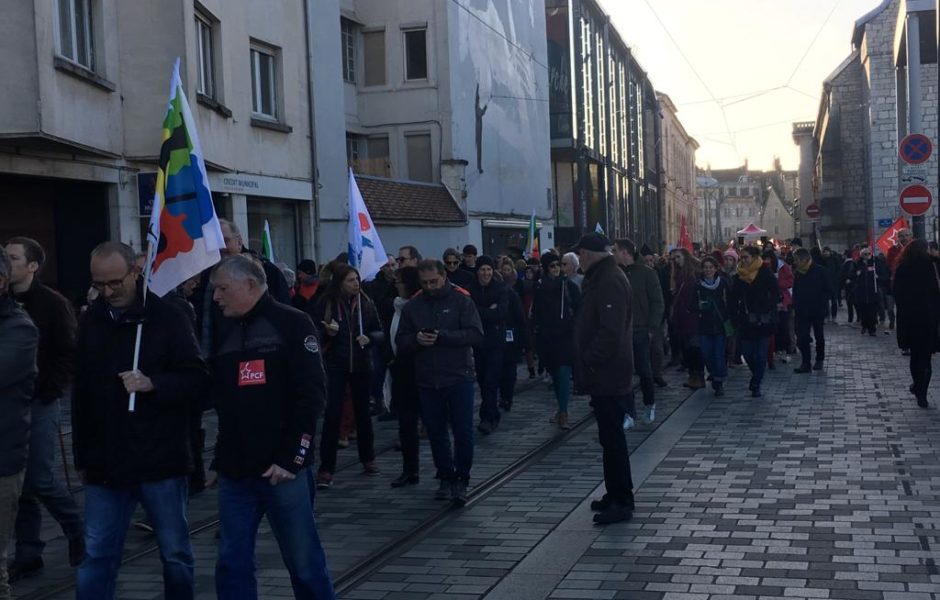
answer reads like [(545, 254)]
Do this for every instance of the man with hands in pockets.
[(268, 386)]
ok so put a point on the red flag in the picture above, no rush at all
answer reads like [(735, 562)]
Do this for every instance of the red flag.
[(684, 240), (889, 238)]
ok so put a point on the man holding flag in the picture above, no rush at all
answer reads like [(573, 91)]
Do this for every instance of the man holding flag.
[(142, 457)]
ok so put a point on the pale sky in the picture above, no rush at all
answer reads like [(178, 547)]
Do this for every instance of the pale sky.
[(738, 47)]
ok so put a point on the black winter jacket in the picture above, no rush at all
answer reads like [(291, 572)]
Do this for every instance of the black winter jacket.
[(553, 312), (53, 316), (453, 315), (918, 301), (713, 306), (116, 447), (19, 340), (341, 352), (603, 364), (755, 305), (811, 292), (500, 311), (269, 389), (865, 288)]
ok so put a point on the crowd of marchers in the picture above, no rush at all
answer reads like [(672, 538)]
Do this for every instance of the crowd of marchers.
[(298, 360)]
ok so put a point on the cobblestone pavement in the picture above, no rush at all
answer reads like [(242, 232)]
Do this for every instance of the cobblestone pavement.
[(827, 487)]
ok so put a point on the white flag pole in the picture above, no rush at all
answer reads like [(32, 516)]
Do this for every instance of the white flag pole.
[(359, 302), (132, 400)]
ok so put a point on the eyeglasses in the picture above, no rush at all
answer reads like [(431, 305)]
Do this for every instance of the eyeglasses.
[(452, 263), (113, 285)]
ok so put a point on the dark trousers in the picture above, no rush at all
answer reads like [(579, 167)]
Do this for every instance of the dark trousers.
[(643, 367), (336, 382), (691, 354), (507, 378), (868, 315), (406, 405), (849, 307), (489, 364), (782, 337), (803, 339), (834, 305), (755, 355), (921, 371), (609, 412), (447, 410), (41, 487)]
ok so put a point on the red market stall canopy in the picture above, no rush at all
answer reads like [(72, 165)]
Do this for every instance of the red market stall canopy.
[(752, 229)]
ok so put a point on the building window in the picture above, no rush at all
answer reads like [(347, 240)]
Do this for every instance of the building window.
[(77, 32), (352, 152), (776, 230), (416, 54), (264, 82), (205, 55), (373, 53), (378, 161), (348, 36), (419, 157)]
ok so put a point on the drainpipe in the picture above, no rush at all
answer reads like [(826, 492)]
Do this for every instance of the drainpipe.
[(314, 170)]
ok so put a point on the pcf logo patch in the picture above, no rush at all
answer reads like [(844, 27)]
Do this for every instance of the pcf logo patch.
[(251, 372)]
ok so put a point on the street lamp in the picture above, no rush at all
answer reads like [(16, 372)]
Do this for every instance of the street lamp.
[(707, 182)]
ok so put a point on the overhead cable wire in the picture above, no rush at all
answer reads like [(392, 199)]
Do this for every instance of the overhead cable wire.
[(526, 51), (812, 43)]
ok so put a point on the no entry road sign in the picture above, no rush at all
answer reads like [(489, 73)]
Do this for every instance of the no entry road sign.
[(915, 149), (916, 200), (812, 211)]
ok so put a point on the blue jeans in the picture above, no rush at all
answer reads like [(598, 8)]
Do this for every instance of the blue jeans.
[(450, 407), (489, 364), (755, 354), (108, 513), (561, 383), (242, 503), (42, 486), (714, 349)]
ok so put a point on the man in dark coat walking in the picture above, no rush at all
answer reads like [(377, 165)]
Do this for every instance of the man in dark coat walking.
[(604, 368), (812, 290)]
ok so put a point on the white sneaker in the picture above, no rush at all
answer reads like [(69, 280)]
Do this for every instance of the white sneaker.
[(650, 413), (628, 422), (784, 358)]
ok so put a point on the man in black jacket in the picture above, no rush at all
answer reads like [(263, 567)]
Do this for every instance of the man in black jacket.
[(440, 327), (603, 366), (19, 339), (812, 290), (51, 313), (142, 456), (269, 390)]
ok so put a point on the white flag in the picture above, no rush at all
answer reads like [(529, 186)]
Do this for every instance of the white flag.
[(366, 252)]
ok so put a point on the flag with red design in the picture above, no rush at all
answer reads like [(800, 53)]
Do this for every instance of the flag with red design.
[(889, 238), (184, 237), (684, 240)]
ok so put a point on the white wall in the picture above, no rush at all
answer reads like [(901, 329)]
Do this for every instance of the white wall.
[(516, 157)]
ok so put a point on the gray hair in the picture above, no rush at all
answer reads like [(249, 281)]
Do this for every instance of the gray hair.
[(5, 266), (120, 248), (573, 258), (231, 226), (241, 268)]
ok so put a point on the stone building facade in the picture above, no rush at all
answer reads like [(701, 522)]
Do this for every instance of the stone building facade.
[(852, 151), (679, 195)]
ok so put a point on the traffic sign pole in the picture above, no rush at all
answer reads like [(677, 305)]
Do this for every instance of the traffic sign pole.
[(912, 24)]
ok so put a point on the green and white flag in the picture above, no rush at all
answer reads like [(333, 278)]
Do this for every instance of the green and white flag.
[(267, 244)]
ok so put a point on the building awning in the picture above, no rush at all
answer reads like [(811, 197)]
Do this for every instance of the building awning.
[(392, 200), (752, 229)]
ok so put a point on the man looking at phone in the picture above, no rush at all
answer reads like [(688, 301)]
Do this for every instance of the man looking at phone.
[(439, 327)]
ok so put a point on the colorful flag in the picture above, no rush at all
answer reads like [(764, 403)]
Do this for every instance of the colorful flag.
[(684, 240), (366, 252), (532, 244), (184, 236), (267, 243), (890, 236)]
